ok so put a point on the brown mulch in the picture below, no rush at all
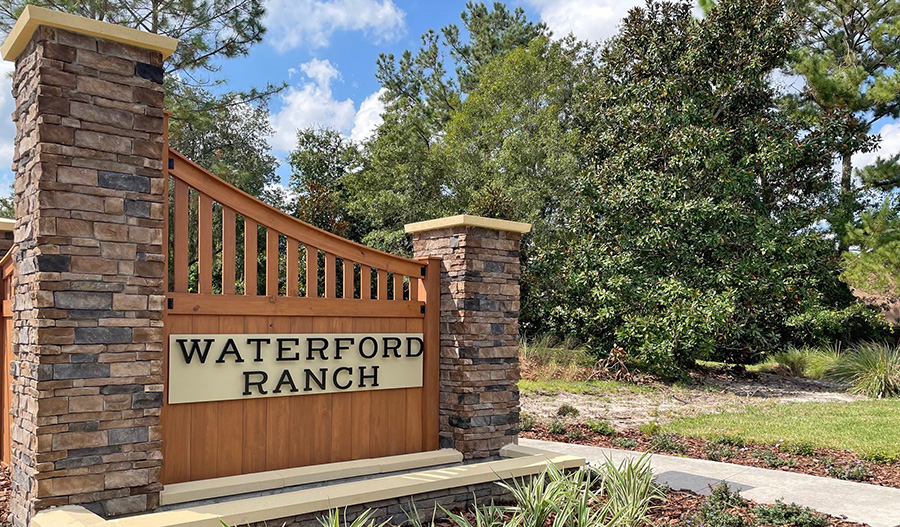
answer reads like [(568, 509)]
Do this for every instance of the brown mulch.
[(754, 455), (681, 506)]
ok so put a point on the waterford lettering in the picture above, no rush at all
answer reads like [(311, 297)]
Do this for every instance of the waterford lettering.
[(227, 367)]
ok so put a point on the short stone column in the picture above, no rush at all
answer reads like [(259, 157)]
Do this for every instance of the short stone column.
[(90, 204), (479, 411)]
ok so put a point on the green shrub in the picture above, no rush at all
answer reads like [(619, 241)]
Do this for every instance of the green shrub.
[(850, 471), (526, 422), (871, 368), (726, 441), (880, 457), (556, 427), (801, 448), (791, 362), (630, 490), (667, 443), (575, 434), (715, 511), (776, 462), (722, 497), (650, 429), (793, 514), (854, 323), (601, 426), (567, 410), (624, 442)]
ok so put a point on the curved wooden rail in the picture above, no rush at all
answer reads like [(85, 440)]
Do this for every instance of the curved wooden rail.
[(395, 278)]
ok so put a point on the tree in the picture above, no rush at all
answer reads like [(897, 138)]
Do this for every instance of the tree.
[(319, 164), (403, 178), (848, 56), (691, 235), (875, 267)]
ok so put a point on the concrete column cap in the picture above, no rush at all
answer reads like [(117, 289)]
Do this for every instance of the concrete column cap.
[(33, 16), (467, 220)]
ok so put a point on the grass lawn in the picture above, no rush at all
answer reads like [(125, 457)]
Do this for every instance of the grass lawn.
[(862, 426), (555, 386)]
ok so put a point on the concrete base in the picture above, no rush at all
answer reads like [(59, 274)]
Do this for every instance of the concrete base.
[(451, 487)]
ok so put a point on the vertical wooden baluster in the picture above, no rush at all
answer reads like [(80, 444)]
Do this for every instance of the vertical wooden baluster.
[(348, 278), (250, 239), (365, 282), (181, 236), (413, 289), (204, 239), (292, 269), (272, 262), (330, 278), (398, 287), (312, 272), (382, 285), (228, 251)]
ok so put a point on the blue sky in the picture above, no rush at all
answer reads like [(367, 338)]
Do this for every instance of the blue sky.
[(326, 51)]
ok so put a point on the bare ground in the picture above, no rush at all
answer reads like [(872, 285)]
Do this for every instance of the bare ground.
[(626, 407)]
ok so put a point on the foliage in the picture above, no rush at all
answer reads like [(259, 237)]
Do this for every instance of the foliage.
[(663, 442), (856, 321), (336, 519), (880, 457), (690, 235), (798, 448), (722, 497), (526, 421), (859, 426), (8, 207), (556, 427), (850, 471), (875, 266), (494, 139), (545, 358), (624, 442), (319, 163), (629, 487), (574, 434), (715, 511), (848, 58), (792, 362), (808, 362), (601, 427), (871, 368), (567, 410), (793, 514)]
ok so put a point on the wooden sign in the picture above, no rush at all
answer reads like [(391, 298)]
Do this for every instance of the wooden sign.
[(228, 367)]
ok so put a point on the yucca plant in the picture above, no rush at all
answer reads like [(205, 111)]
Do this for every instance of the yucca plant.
[(485, 516), (336, 519), (630, 490), (871, 368)]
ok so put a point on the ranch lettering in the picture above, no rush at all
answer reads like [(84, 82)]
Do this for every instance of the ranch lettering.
[(225, 367)]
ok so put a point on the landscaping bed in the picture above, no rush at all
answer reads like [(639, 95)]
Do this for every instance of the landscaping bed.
[(842, 464)]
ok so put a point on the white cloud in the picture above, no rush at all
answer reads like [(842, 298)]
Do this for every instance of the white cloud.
[(368, 118), (294, 23), (889, 145), (312, 103), (588, 19), (7, 128)]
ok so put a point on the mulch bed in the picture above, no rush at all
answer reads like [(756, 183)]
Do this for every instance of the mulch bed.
[(681, 506), (4, 495), (754, 455)]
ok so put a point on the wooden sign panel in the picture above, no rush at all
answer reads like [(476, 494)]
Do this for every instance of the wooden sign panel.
[(223, 367)]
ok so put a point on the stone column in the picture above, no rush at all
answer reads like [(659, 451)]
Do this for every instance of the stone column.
[(479, 328), (89, 299)]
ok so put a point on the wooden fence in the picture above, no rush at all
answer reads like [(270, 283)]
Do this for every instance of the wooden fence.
[(6, 353), (237, 265)]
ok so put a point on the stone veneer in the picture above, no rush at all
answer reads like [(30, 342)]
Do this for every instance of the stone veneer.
[(89, 299), (479, 410)]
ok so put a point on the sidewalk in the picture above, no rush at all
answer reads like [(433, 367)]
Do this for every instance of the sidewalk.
[(859, 502)]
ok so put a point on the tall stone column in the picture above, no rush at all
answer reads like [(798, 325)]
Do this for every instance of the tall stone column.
[(89, 299), (479, 411)]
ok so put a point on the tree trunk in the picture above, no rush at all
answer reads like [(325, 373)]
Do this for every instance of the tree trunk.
[(846, 196)]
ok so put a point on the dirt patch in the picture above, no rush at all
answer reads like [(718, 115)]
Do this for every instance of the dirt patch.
[(826, 462), (626, 407)]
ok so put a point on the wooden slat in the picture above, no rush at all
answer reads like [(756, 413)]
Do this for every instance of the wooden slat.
[(250, 253), (430, 291), (204, 243), (229, 461), (382, 284), (413, 289), (229, 253), (330, 276), (255, 414), (398, 287), (272, 261), (181, 237), (301, 412), (278, 433), (175, 418), (189, 304), (348, 280), (230, 196), (325, 428), (365, 282), (204, 419), (292, 268), (312, 272)]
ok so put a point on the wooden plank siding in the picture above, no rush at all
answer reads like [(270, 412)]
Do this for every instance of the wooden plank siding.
[(308, 285)]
